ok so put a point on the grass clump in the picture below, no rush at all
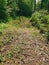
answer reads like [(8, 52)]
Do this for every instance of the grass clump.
[(1, 58), (10, 55), (3, 26), (18, 49)]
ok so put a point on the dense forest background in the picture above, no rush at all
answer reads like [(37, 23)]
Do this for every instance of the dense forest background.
[(13, 8)]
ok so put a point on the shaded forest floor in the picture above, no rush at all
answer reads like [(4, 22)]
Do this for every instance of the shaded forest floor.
[(23, 46)]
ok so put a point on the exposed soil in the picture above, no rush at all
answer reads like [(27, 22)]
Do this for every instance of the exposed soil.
[(28, 47)]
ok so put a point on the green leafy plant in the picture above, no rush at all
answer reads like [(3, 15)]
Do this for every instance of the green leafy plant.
[(10, 55), (41, 21)]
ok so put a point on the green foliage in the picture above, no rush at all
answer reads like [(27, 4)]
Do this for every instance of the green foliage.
[(10, 55), (24, 8), (11, 8), (41, 21), (3, 14), (40, 18), (44, 4), (3, 26), (38, 5), (19, 7)]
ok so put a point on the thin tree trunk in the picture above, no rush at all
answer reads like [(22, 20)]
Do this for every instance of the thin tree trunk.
[(42, 4), (34, 5), (48, 5)]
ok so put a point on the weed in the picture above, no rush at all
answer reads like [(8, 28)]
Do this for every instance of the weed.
[(10, 55), (18, 48)]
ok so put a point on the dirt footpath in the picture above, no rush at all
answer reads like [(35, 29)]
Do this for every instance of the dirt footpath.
[(24, 47)]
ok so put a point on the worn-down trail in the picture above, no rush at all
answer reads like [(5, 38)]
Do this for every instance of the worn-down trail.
[(24, 46)]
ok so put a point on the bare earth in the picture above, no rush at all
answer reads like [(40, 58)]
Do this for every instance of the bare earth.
[(28, 47)]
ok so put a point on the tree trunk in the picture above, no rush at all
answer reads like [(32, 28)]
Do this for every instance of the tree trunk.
[(34, 5), (42, 1), (48, 5)]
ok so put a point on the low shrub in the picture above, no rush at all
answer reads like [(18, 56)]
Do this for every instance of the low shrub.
[(41, 21)]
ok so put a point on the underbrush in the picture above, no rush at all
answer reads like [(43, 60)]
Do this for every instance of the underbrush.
[(8, 29), (41, 21), (19, 22), (3, 26)]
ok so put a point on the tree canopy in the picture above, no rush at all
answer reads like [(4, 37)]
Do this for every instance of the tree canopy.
[(21, 7)]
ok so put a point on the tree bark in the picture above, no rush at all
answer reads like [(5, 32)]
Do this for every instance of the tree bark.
[(34, 5)]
